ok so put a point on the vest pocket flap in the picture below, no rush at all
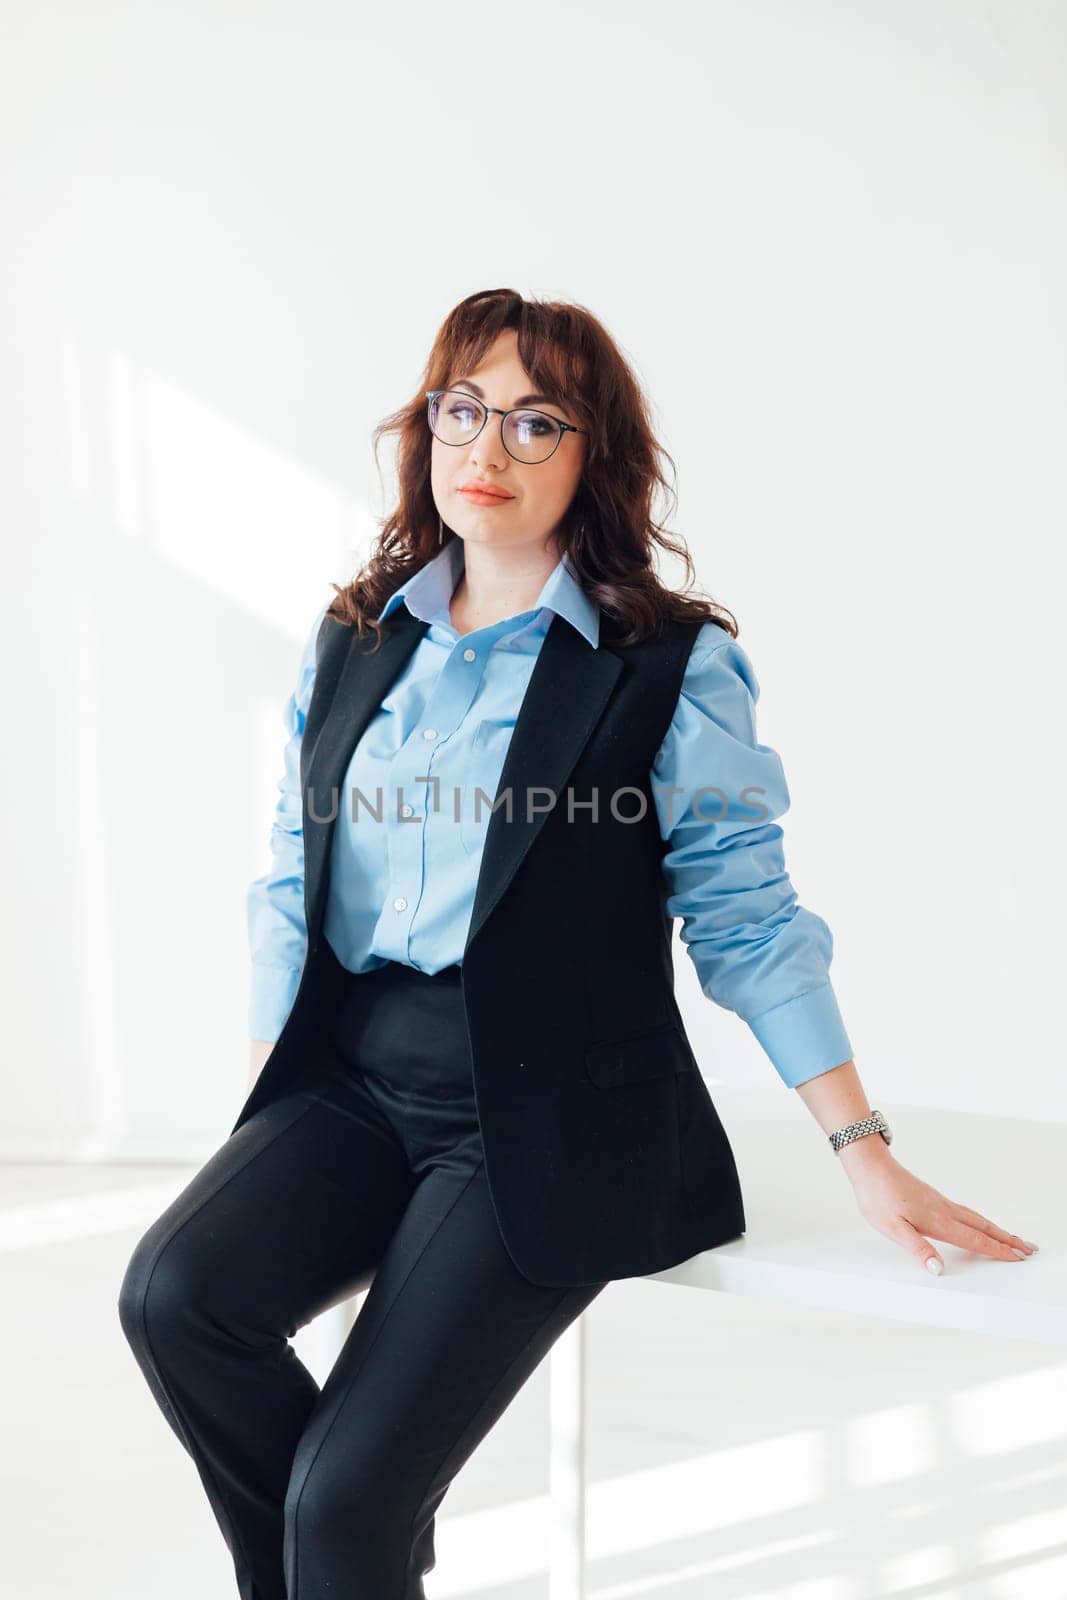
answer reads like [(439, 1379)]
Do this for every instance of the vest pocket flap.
[(656, 1053)]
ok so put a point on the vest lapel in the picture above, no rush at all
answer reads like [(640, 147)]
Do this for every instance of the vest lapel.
[(568, 689), (364, 682)]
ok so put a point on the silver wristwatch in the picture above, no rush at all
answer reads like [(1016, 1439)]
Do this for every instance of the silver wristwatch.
[(875, 1123)]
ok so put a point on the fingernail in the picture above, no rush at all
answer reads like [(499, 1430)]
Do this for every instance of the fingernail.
[(934, 1265), (1032, 1245), (1021, 1254)]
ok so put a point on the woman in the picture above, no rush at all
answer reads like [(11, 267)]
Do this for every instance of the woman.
[(514, 758)]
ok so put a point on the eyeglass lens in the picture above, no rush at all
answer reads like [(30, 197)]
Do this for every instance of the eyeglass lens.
[(456, 418)]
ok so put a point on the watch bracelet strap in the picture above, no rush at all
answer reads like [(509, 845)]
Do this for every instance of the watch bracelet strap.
[(875, 1123)]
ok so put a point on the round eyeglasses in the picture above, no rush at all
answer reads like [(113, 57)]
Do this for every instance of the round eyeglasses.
[(529, 436)]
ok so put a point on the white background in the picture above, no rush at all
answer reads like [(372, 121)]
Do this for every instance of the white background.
[(831, 239)]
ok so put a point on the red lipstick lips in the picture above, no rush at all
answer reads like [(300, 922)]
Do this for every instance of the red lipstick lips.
[(481, 494)]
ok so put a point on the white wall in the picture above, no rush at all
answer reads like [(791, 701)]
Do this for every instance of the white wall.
[(830, 236)]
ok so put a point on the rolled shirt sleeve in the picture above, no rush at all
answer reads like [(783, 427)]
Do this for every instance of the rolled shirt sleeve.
[(277, 929), (757, 952)]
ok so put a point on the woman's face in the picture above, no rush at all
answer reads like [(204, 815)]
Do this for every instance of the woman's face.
[(538, 494)]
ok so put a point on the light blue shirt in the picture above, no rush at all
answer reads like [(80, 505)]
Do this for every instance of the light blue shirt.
[(406, 853)]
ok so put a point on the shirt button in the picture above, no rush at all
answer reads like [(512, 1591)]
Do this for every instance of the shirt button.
[(400, 904), (406, 810), (468, 655), (429, 733)]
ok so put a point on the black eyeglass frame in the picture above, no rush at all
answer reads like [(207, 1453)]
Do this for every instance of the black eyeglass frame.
[(564, 427)]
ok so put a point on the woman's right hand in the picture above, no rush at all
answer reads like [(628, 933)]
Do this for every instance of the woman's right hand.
[(258, 1051)]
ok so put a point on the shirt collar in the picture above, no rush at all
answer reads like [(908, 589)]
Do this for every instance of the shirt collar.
[(428, 592)]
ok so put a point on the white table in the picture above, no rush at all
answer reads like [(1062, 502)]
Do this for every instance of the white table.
[(806, 1244)]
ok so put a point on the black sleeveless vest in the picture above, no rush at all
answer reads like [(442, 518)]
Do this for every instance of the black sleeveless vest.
[(604, 1153)]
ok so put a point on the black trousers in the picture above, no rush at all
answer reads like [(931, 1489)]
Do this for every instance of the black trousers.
[(369, 1171)]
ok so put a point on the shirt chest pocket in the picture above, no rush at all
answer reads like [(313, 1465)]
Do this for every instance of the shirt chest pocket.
[(483, 762)]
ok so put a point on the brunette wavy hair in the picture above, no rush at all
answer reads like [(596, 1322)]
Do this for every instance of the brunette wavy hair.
[(609, 529)]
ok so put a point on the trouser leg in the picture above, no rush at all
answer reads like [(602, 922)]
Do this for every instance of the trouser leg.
[(376, 1176), (288, 1217), (447, 1336)]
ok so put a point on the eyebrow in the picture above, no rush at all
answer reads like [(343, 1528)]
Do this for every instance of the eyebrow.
[(523, 400)]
